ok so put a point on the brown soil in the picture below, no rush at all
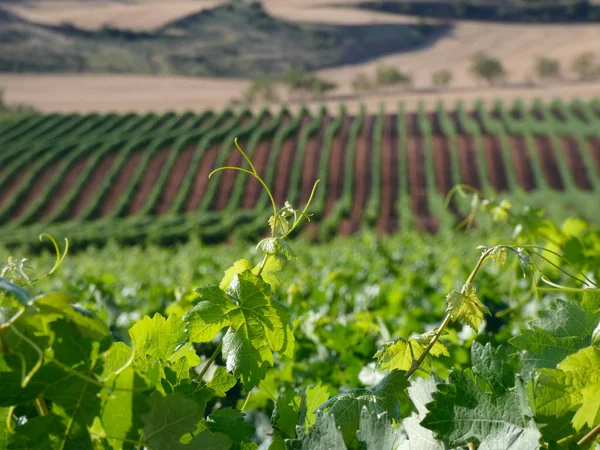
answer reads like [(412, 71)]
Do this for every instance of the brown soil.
[(201, 179), (284, 169), (522, 162), (120, 185), (229, 177), (493, 155), (467, 155), (312, 157), (544, 148), (417, 181), (64, 187), (576, 163), (175, 178), (253, 187), (143, 190), (594, 146), (388, 222), (362, 178), (14, 181), (93, 184), (37, 187), (337, 163)]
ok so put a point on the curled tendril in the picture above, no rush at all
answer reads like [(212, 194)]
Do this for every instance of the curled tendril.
[(60, 257)]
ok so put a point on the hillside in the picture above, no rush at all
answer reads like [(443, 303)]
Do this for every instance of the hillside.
[(227, 41)]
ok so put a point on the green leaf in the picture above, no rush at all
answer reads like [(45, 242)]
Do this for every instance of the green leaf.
[(324, 435), (573, 387), (556, 334), (56, 306), (221, 382), (274, 246), (231, 423), (376, 431), (492, 365), (465, 307), (385, 397), (21, 294), (461, 412), (311, 399), (172, 417), (269, 272), (420, 392), (400, 353), (123, 408), (116, 357), (238, 267), (157, 337), (286, 414), (259, 325)]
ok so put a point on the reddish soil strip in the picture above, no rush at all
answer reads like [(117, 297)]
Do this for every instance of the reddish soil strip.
[(229, 177), (362, 178), (576, 163), (123, 179), (443, 169), (522, 162), (284, 169), (38, 185), (312, 157), (91, 187), (64, 187), (467, 154), (146, 184), (175, 178), (14, 181), (284, 164), (337, 163), (594, 145), (388, 222), (253, 188), (544, 149), (417, 181), (495, 163), (201, 179)]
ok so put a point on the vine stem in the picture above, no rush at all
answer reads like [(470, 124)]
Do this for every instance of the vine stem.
[(417, 363), (589, 438), (210, 361)]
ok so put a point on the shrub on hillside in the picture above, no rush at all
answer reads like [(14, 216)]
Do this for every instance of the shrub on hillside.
[(390, 76), (487, 68), (547, 68), (299, 81), (442, 78), (586, 67), (361, 83)]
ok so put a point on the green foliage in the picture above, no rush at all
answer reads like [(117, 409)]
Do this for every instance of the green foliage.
[(441, 78), (361, 83), (487, 68), (390, 76), (547, 68), (585, 66)]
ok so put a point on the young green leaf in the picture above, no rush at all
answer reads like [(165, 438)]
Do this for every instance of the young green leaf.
[(465, 307), (157, 337), (259, 325), (574, 386), (400, 353)]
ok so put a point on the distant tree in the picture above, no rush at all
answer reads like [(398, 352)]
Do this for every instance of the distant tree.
[(547, 68), (261, 89), (442, 78), (585, 66), (300, 81), (487, 68), (390, 76), (361, 83)]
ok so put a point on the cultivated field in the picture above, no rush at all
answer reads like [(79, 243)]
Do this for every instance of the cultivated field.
[(81, 175)]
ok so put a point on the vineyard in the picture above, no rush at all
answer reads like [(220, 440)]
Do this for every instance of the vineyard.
[(145, 177)]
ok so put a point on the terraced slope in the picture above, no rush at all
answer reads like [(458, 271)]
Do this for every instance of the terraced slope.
[(139, 177)]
